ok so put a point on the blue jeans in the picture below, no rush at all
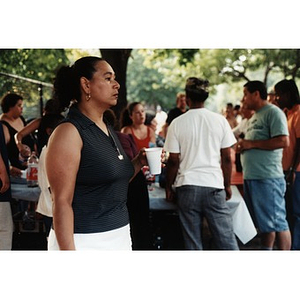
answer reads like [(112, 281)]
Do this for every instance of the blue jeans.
[(196, 202), (296, 211)]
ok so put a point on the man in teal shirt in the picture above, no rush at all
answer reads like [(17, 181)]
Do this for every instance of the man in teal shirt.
[(264, 184)]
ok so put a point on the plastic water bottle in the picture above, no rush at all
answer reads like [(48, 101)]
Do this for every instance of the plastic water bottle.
[(32, 170)]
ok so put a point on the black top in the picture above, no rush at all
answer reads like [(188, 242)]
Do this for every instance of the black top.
[(100, 196), (5, 197), (173, 114), (42, 135), (13, 151)]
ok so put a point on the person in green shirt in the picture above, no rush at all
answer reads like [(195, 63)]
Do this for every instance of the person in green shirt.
[(264, 183)]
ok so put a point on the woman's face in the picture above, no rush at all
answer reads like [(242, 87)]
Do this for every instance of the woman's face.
[(103, 87), (17, 110), (138, 115)]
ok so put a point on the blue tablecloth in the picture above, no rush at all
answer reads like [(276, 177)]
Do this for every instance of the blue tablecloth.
[(157, 199), (20, 190)]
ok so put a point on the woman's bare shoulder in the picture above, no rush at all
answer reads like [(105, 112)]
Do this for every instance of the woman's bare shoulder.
[(66, 134), (126, 129)]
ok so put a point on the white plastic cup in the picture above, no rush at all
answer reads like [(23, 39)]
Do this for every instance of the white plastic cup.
[(154, 159), (24, 174)]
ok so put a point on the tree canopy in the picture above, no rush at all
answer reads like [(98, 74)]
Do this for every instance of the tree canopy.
[(164, 71), (33, 71), (153, 76)]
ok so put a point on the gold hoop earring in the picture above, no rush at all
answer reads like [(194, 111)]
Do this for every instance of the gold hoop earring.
[(88, 97)]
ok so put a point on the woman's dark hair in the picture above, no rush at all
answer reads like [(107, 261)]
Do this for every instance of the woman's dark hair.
[(51, 107), (125, 119), (67, 81), (9, 100), (196, 89), (290, 88), (111, 119), (131, 107), (49, 120), (149, 118), (255, 85)]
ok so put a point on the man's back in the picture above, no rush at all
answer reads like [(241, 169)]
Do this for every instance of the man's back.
[(198, 136)]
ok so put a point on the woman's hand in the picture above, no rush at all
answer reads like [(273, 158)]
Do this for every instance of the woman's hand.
[(15, 172), (142, 157)]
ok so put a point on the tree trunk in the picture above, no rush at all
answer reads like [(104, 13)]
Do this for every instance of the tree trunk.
[(118, 59)]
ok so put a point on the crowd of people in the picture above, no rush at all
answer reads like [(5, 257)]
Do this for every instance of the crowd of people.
[(92, 167)]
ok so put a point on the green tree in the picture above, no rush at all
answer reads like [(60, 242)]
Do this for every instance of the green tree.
[(33, 71), (226, 69), (152, 80), (150, 75), (237, 64), (37, 64)]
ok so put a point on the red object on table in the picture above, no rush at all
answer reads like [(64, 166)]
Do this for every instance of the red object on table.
[(236, 177)]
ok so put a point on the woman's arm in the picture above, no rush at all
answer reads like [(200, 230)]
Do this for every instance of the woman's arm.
[(6, 134), (14, 171), (62, 163), (4, 178), (29, 128)]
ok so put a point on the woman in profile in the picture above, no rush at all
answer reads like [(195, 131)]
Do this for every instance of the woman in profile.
[(87, 168)]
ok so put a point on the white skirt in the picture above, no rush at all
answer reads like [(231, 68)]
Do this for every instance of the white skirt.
[(117, 239)]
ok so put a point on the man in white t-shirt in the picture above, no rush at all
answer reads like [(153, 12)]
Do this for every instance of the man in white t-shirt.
[(199, 167)]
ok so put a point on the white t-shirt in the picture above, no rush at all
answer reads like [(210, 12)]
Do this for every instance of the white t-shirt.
[(199, 135), (44, 206)]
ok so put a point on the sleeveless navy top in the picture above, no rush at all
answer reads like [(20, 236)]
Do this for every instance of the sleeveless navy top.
[(13, 151), (100, 196)]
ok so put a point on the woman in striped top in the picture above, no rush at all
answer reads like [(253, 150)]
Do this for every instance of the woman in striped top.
[(87, 168)]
